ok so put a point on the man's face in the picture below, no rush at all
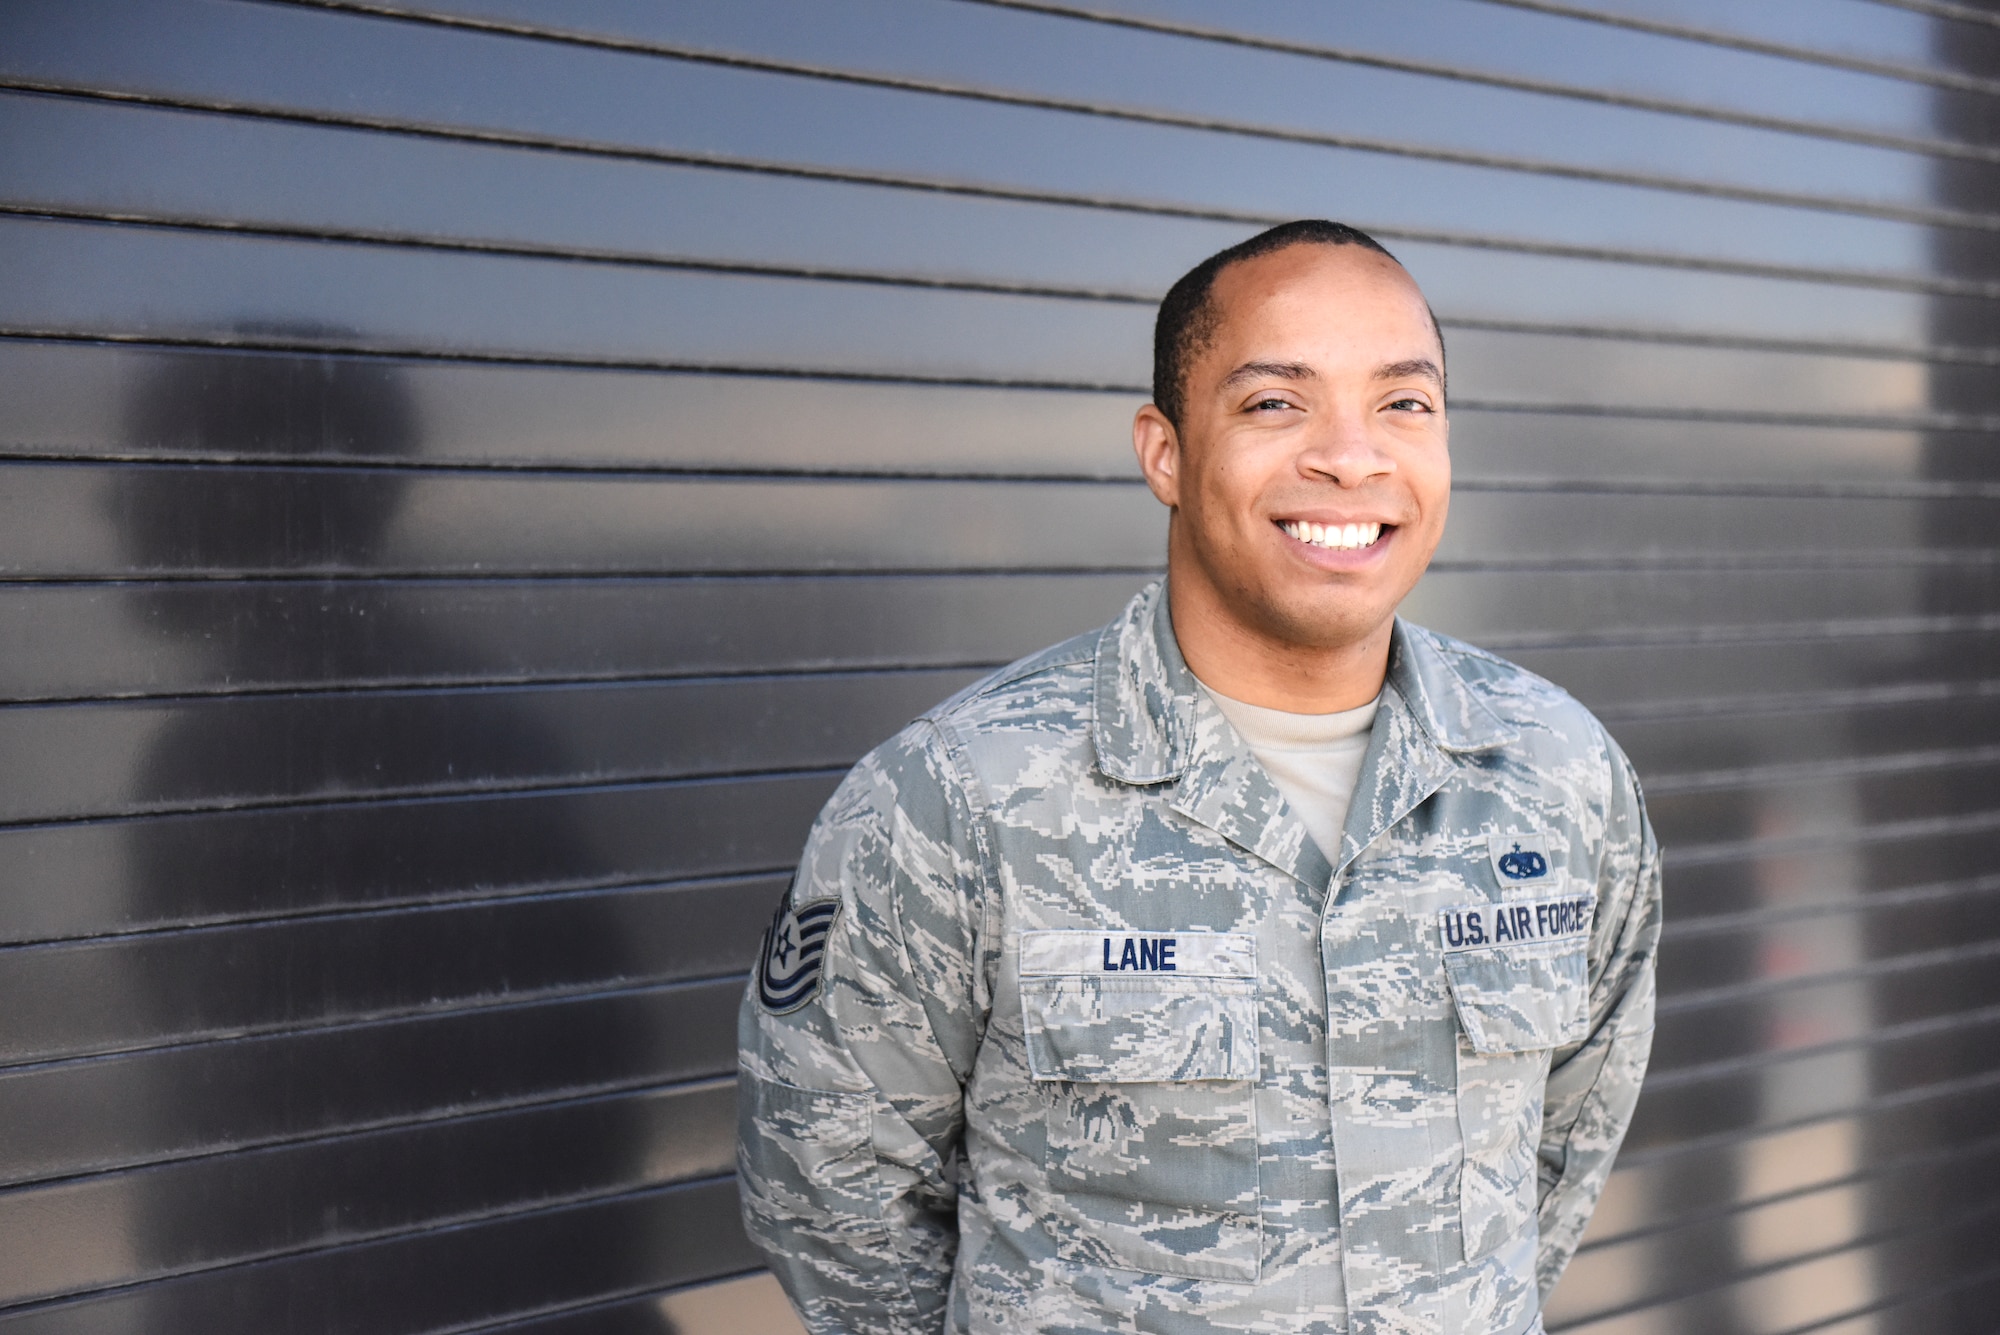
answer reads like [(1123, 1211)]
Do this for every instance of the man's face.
[(1310, 475)]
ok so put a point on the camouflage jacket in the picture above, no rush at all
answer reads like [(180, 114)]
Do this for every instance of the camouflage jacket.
[(1067, 1025)]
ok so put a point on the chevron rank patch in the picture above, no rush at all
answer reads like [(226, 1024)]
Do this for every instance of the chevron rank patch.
[(794, 951)]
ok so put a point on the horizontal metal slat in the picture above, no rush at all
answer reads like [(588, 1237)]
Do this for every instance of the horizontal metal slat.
[(1717, 1179), (744, 1305), (83, 879), (99, 639), (129, 992), (1738, 1099), (1695, 610), (73, 761), (181, 519), (106, 759), (144, 1107), (1838, 865), (1931, 991), (1820, 1291), (1492, 41), (1792, 1143), (98, 400), (332, 1192), (1962, 1300), (1734, 633), (1812, 807), (1934, 897), (154, 283), (1626, 673), (1020, 53), (443, 1280), (84, 158), (1656, 1267), (1924, 849), (1559, 371), (1501, 526), (1706, 749), (1896, 40), (319, 65), (127, 282), (85, 400), (1793, 934), (1864, 763)]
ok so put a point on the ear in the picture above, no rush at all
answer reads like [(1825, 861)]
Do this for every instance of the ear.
[(1158, 446)]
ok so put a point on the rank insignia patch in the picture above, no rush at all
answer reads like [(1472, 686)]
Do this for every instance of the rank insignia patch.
[(794, 949)]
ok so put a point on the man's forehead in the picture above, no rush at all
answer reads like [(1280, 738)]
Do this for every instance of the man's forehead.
[(1314, 261), (1360, 291)]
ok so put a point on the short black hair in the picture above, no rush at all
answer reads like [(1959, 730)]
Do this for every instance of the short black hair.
[(1188, 318)]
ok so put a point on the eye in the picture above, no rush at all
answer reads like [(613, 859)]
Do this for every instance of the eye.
[(1265, 405), (1408, 405)]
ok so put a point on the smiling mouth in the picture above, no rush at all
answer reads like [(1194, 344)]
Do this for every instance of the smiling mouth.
[(1333, 537)]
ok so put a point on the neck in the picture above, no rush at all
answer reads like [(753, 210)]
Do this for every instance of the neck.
[(1247, 663)]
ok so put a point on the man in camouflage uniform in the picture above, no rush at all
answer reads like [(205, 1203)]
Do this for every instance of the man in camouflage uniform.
[(1069, 1024)]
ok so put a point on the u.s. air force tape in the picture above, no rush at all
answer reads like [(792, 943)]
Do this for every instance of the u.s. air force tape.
[(1479, 926), (1186, 954), (794, 955)]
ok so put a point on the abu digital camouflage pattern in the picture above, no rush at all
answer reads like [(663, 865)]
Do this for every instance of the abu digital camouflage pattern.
[(1094, 1049)]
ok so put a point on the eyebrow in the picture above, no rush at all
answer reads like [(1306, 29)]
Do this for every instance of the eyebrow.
[(1422, 366), (1418, 366), (1257, 370)]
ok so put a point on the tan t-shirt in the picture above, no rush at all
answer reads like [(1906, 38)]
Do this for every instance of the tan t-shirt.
[(1315, 759)]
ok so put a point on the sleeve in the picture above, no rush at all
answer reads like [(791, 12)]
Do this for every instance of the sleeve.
[(1594, 1086), (851, 1082)]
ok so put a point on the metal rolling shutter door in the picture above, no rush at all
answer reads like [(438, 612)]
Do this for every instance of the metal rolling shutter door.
[(473, 477)]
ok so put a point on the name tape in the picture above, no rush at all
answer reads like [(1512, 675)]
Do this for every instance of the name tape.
[(1472, 926), (1189, 954)]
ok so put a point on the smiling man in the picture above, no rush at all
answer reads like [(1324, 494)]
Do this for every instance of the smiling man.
[(1258, 963)]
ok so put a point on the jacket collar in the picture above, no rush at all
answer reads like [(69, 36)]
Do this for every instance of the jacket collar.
[(1155, 725)]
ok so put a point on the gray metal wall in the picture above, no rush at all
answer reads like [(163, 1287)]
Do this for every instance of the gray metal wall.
[(476, 471)]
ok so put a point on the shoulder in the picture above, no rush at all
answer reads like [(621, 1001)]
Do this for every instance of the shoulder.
[(945, 761), (1558, 754), (1503, 686), (1553, 728), (1045, 700)]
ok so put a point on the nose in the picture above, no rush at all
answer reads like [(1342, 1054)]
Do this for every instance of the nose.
[(1341, 449)]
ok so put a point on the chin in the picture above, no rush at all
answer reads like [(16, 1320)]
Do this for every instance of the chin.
[(1318, 622)]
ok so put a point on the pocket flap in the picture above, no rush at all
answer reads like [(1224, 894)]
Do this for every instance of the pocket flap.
[(1519, 971), (1112, 1029)]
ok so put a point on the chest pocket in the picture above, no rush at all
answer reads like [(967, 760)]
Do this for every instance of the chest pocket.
[(1149, 1079), (1519, 975)]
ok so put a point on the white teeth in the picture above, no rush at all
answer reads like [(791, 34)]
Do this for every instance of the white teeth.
[(1337, 537)]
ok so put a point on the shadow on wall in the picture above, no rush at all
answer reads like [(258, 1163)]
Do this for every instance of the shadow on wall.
[(259, 776)]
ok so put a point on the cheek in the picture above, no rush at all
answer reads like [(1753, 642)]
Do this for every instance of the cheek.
[(1248, 472), (1442, 505), (1228, 494), (1431, 480)]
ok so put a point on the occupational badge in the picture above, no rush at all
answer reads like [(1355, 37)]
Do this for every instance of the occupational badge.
[(1522, 859)]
